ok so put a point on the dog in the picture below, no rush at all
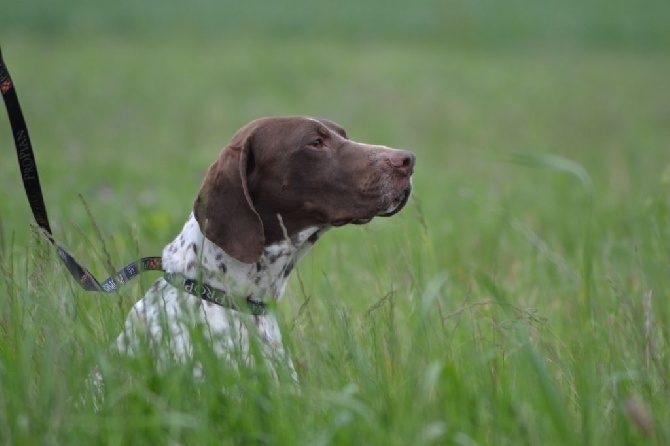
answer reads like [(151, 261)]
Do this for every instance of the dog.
[(273, 191)]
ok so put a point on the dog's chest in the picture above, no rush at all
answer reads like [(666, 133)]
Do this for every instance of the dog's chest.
[(197, 258), (166, 319), (168, 316)]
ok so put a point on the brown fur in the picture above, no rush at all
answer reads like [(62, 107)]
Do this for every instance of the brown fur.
[(290, 173)]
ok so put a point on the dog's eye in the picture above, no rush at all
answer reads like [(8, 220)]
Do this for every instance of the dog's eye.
[(317, 143)]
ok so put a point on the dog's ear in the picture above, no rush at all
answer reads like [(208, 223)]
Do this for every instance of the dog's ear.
[(224, 209)]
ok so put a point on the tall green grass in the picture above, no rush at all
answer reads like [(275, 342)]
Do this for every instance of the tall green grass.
[(520, 298)]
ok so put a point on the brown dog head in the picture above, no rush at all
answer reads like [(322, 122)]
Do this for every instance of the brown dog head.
[(290, 173)]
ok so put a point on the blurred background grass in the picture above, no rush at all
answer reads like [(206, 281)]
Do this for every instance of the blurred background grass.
[(517, 22), (110, 87), (129, 102)]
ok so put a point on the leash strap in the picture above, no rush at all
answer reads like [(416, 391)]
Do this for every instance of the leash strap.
[(31, 183)]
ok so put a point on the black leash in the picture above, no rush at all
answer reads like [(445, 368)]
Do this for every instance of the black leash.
[(31, 183)]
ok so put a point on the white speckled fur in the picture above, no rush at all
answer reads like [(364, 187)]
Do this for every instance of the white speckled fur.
[(166, 315)]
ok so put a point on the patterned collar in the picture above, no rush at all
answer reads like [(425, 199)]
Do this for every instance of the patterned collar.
[(216, 296)]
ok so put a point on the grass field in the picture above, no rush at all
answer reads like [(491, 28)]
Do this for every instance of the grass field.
[(520, 298)]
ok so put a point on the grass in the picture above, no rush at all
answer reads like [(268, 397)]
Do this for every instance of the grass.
[(520, 298)]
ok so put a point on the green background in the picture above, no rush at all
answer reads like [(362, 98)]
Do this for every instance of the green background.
[(520, 298)]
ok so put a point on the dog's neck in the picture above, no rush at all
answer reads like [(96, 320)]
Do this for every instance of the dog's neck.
[(194, 256)]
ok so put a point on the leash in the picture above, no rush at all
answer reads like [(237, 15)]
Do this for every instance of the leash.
[(31, 184)]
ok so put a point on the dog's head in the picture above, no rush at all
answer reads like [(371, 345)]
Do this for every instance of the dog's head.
[(291, 173)]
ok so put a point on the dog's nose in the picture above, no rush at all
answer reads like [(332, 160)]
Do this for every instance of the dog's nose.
[(402, 160)]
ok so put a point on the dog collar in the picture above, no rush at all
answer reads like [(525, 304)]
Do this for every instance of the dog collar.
[(215, 295)]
